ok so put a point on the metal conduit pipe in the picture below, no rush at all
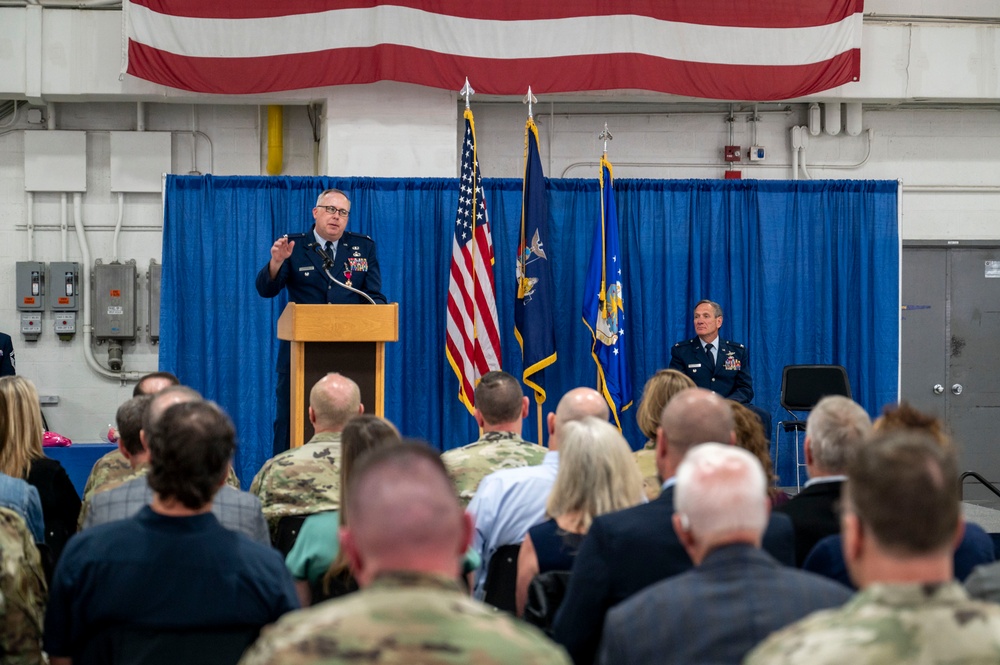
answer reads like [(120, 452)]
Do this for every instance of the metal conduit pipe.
[(63, 224), (31, 226), (118, 227), (88, 327), (275, 147)]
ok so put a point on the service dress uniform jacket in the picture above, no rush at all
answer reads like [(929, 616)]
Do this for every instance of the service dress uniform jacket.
[(355, 264), (6, 355), (731, 378)]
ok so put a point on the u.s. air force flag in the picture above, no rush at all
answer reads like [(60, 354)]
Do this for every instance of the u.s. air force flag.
[(603, 309)]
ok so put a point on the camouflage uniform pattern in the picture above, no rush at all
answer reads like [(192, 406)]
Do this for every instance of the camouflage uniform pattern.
[(493, 451), (22, 593), (899, 624), (646, 459), (300, 481), (113, 470), (403, 618), (110, 468)]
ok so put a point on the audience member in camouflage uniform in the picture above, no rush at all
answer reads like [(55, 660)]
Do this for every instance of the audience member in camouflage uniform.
[(115, 466), (119, 465), (655, 394), (306, 480), (22, 593), (900, 524), (405, 536), (500, 411), (133, 448)]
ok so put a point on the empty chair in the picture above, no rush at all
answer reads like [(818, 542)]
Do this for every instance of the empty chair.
[(802, 386)]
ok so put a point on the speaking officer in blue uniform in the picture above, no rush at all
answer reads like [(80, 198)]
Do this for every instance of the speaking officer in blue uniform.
[(6, 355), (297, 265), (727, 370)]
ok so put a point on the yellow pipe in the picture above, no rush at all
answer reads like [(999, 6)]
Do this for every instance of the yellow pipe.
[(275, 127)]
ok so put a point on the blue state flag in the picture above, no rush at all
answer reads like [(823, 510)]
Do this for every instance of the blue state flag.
[(603, 307), (533, 325)]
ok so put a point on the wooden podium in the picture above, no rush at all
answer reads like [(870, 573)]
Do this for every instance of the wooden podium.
[(349, 339)]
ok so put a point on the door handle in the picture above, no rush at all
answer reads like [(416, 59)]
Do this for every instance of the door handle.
[(956, 389)]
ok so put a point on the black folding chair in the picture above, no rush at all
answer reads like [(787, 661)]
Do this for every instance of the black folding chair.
[(501, 578), (802, 387)]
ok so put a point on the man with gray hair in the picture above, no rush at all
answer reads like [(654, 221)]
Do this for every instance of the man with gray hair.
[(627, 551), (721, 511), (306, 480), (511, 501), (835, 429), (900, 522)]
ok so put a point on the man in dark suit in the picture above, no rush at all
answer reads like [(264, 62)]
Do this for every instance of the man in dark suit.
[(296, 264), (627, 551), (721, 507), (834, 430), (6, 355)]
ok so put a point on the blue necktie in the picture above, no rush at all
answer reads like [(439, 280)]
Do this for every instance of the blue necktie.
[(711, 359)]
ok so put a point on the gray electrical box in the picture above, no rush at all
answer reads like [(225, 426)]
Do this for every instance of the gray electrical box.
[(114, 300), (153, 277), (30, 286), (64, 284)]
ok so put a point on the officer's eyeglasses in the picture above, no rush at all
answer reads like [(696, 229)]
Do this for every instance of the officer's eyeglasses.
[(334, 210)]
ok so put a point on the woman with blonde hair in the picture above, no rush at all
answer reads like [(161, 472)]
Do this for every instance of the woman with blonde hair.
[(597, 475), (22, 456), (660, 388)]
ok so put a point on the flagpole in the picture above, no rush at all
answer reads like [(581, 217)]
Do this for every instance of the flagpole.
[(467, 92), (601, 297), (530, 99)]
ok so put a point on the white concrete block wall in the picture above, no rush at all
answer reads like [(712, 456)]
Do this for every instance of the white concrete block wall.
[(88, 402)]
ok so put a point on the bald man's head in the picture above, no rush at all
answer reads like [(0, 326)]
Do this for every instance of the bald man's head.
[(693, 416), (403, 514), (577, 404), (333, 401)]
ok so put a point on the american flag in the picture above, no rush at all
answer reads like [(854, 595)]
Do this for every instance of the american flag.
[(719, 49), (473, 346)]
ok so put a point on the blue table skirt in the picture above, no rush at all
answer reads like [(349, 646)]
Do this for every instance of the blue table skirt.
[(78, 459)]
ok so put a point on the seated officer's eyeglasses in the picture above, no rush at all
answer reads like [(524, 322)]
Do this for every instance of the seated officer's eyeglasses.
[(334, 210)]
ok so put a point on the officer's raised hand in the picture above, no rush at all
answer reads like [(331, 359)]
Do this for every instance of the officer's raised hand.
[(280, 250)]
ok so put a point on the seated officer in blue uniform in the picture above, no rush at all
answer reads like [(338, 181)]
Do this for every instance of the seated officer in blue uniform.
[(296, 265), (6, 355), (727, 370)]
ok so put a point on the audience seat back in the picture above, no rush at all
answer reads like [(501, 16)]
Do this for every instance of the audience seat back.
[(501, 578)]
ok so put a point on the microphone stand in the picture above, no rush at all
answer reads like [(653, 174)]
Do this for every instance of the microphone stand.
[(328, 266)]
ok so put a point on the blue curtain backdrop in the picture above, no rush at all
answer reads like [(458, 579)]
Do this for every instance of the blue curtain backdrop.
[(807, 272)]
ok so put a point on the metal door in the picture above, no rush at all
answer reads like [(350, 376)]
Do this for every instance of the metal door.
[(950, 335)]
